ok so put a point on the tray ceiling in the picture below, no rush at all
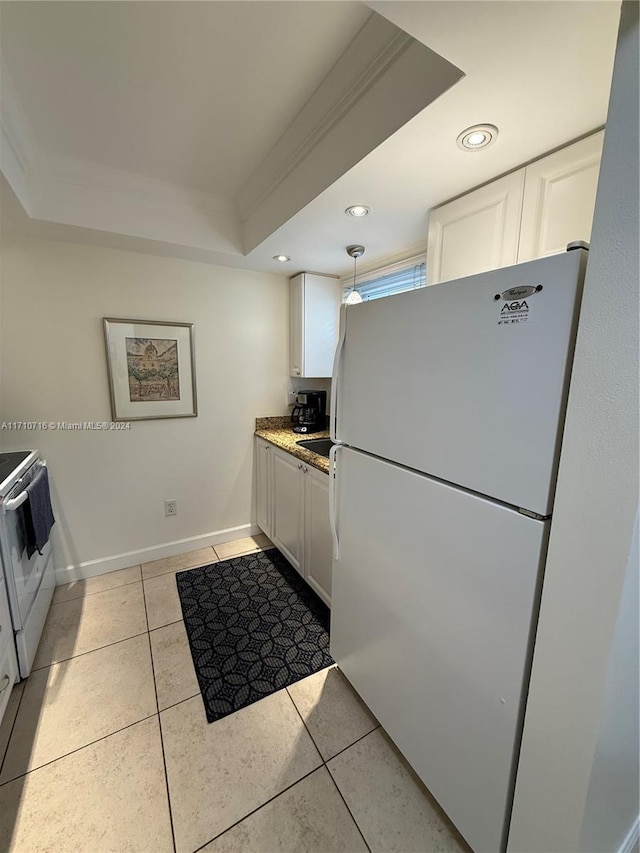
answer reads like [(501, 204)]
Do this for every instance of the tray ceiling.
[(228, 132)]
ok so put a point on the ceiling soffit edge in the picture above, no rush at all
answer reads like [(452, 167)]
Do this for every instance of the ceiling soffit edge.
[(105, 178), (78, 193), (18, 150), (377, 46), (383, 79)]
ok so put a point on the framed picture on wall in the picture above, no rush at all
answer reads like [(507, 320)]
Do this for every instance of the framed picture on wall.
[(151, 366)]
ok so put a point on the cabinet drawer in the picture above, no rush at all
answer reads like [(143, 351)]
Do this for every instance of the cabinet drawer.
[(8, 675)]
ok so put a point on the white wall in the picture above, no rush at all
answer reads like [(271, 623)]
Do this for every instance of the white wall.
[(111, 486), (593, 525)]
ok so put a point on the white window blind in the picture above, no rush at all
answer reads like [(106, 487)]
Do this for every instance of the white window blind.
[(386, 281)]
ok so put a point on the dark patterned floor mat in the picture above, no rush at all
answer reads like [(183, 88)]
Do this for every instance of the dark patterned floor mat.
[(254, 627)]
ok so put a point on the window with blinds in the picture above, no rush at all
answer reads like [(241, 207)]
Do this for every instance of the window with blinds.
[(388, 280)]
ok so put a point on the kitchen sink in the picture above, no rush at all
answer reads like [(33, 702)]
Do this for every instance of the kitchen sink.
[(321, 446)]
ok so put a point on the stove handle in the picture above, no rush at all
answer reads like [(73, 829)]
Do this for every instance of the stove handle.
[(16, 502)]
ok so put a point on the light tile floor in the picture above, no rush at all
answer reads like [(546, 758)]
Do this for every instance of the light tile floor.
[(106, 746)]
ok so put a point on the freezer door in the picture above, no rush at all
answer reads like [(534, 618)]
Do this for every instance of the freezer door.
[(433, 595), (458, 382)]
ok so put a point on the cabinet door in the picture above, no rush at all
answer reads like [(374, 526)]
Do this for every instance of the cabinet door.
[(318, 543), (559, 198), (476, 232), (288, 496), (314, 312), (321, 322), (263, 485), (296, 326)]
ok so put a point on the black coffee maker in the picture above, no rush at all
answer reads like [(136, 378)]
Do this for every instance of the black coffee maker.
[(309, 412)]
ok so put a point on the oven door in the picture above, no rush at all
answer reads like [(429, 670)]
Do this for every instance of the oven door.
[(23, 574)]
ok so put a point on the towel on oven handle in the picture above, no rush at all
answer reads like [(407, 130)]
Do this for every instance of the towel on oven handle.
[(38, 514)]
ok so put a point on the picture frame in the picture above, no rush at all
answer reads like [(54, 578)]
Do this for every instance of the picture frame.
[(151, 367)]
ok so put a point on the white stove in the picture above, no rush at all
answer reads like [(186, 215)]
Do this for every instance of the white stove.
[(29, 581)]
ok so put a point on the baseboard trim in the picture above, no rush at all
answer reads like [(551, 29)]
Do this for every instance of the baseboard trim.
[(102, 566), (631, 842)]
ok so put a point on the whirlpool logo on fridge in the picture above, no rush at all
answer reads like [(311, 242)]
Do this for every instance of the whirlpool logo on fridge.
[(516, 308)]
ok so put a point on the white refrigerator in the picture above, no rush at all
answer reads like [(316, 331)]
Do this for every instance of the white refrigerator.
[(448, 409)]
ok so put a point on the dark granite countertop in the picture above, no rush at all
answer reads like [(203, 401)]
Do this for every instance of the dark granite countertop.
[(278, 431)]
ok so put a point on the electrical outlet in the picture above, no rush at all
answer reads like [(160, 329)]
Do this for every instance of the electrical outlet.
[(171, 507), (291, 398)]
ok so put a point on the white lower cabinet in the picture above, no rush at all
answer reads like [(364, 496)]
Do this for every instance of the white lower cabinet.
[(293, 510), (287, 497), (318, 544), (263, 485)]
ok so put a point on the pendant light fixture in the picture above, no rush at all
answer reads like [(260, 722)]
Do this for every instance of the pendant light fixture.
[(354, 252)]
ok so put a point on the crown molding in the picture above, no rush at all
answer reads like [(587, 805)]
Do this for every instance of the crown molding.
[(372, 51), (383, 79), (18, 150)]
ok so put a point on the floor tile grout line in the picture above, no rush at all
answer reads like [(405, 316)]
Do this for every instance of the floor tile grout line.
[(306, 727), (174, 572), (13, 725), (166, 625), (324, 764), (195, 696), (357, 740), (180, 701), (258, 808), (78, 749), (164, 760), (97, 592), (185, 569), (89, 651), (344, 748), (148, 632), (346, 805)]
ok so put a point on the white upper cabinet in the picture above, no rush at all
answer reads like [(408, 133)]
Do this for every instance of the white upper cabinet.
[(314, 310), (527, 214), (476, 232), (559, 198)]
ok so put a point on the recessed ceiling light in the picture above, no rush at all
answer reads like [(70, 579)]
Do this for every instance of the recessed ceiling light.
[(282, 258), (357, 210), (476, 137)]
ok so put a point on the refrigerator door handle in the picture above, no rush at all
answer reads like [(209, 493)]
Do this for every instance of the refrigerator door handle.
[(332, 500), (335, 376)]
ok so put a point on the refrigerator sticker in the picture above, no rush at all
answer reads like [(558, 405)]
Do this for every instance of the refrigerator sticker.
[(517, 311)]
